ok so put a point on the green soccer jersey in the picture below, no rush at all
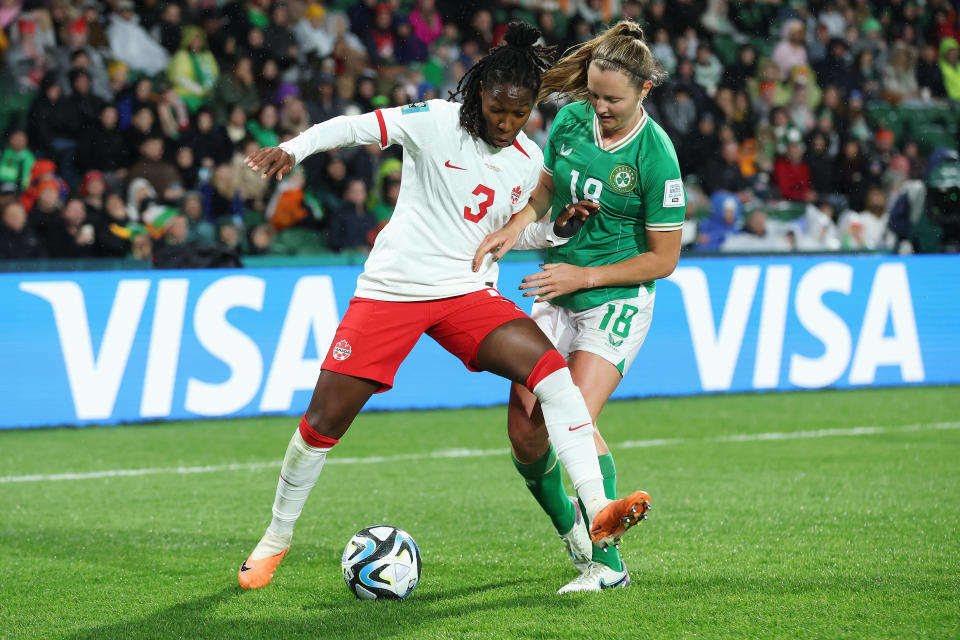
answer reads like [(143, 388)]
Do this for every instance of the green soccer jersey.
[(636, 182)]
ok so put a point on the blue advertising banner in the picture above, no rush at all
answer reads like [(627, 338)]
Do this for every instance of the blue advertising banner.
[(109, 347)]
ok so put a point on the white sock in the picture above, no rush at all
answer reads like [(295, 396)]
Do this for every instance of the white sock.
[(270, 545), (596, 504), (571, 430), (301, 468)]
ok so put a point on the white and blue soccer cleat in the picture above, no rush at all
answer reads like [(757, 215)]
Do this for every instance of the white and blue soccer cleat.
[(577, 541), (597, 578)]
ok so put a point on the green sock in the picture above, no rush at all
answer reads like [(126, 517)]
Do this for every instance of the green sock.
[(609, 556), (546, 484)]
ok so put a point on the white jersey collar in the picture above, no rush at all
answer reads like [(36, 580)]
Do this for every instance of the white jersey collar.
[(619, 144)]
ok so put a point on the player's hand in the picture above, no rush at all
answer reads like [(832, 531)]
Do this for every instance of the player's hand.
[(573, 216), (271, 161), (497, 243), (554, 280)]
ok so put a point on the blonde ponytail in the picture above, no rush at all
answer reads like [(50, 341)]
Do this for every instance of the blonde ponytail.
[(620, 48)]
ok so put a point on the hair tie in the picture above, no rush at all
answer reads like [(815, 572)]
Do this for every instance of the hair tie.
[(622, 66)]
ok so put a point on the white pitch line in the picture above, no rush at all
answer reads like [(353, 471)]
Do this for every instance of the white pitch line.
[(476, 453), (826, 433)]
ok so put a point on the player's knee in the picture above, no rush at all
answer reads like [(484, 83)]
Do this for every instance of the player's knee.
[(549, 363), (316, 430)]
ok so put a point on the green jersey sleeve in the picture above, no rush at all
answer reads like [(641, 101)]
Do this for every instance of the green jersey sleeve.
[(663, 195)]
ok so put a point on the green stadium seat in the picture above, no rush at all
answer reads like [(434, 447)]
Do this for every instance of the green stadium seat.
[(523, 15), (929, 136), (927, 114), (926, 122), (884, 114), (252, 218), (562, 20), (13, 111), (955, 112), (787, 211), (725, 48), (353, 257), (295, 241), (763, 47)]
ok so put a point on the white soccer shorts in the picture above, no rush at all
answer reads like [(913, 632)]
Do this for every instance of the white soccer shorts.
[(615, 330)]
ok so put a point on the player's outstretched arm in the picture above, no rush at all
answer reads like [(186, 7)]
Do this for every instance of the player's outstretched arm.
[(659, 261), (520, 234), (517, 232), (503, 239), (271, 161), (342, 131)]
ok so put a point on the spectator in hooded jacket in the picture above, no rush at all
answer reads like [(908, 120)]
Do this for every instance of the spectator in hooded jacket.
[(131, 44), (313, 36), (724, 220), (929, 77), (78, 53), (169, 31), (193, 69), (791, 51), (82, 100), (51, 124), (27, 56), (279, 39), (835, 70), (950, 67)]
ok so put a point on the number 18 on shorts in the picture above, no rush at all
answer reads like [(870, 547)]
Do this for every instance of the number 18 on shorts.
[(614, 330)]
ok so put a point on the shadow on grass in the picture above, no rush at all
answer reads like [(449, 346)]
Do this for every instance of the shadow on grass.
[(189, 619), (336, 618)]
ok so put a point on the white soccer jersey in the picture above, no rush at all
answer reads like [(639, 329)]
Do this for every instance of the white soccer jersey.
[(455, 190)]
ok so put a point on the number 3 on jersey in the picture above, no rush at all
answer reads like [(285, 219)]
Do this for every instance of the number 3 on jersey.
[(482, 207)]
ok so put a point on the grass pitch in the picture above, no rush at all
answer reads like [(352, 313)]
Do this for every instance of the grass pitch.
[(798, 515)]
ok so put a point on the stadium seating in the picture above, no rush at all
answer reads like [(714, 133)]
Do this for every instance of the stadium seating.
[(13, 110), (295, 241), (886, 115)]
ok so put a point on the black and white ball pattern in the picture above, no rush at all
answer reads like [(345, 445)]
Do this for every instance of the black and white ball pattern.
[(381, 562)]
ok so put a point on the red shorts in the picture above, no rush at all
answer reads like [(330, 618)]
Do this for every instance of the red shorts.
[(375, 336)]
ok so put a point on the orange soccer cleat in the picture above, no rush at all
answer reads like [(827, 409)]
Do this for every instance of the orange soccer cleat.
[(254, 574), (614, 519)]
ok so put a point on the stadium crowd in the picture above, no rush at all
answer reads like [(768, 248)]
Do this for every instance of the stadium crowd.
[(799, 125)]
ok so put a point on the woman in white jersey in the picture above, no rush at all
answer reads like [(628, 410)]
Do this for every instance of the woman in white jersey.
[(467, 169), (595, 293)]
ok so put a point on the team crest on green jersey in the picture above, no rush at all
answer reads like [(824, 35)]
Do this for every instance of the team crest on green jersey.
[(623, 178)]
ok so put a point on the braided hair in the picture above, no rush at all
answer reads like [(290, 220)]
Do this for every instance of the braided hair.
[(519, 62)]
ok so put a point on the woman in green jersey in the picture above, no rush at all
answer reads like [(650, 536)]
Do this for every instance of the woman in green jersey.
[(594, 295)]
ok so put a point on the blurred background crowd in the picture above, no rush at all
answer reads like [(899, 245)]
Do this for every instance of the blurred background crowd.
[(826, 125)]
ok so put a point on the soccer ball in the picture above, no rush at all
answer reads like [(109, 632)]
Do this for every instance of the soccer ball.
[(381, 562)]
